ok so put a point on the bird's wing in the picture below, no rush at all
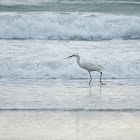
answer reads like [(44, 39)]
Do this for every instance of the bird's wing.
[(92, 66)]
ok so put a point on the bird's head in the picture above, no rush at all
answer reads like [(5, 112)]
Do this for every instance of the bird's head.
[(74, 55)]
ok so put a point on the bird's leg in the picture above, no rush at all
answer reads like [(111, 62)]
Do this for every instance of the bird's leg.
[(100, 79), (90, 79)]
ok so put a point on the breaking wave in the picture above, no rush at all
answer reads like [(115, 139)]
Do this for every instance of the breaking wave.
[(66, 26), (62, 69)]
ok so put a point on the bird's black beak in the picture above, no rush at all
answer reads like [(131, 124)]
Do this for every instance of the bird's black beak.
[(70, 56)]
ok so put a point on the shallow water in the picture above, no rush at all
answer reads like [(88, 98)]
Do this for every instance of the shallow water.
[(72, 95)]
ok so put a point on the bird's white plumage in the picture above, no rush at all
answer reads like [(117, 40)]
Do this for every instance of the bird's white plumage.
[(89, 66)]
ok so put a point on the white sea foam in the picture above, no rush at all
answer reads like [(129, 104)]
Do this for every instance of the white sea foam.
[(56, 69), (68, 26)]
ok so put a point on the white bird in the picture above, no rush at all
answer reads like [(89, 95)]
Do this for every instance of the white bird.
[(88, 66)]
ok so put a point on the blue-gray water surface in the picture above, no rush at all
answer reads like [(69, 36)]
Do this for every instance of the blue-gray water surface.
[(42, 93)]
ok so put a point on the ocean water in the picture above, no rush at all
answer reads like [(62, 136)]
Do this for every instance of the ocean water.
[(40, 89)]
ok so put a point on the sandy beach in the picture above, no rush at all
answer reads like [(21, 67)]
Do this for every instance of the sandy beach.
[(70, 125)]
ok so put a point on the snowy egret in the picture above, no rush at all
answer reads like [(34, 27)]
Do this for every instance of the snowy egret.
[(88, 66)]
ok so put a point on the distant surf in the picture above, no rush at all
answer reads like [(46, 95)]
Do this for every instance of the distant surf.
[(68, 26)]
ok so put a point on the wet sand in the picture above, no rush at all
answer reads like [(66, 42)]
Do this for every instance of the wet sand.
[(69, 125)]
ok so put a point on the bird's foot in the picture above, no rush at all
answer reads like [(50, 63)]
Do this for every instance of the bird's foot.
[(102, 83)]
